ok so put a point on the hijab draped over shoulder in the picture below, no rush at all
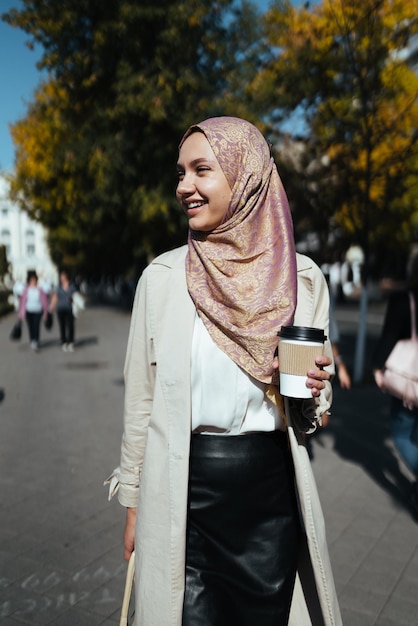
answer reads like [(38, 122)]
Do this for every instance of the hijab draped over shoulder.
[(241, 276)]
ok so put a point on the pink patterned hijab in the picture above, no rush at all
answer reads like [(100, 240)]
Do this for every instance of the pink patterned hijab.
[(241, 276)]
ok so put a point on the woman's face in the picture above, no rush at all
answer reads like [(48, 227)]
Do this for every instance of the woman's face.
[(202, 190)]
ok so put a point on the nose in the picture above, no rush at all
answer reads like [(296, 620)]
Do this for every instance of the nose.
[(185, 185)]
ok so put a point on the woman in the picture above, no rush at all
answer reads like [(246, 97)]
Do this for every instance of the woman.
[(206, 474), (404, 421), (33, 306), (62, 301)]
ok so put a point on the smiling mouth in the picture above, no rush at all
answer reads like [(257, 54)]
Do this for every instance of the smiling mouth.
[(195, 205), (193, 208)]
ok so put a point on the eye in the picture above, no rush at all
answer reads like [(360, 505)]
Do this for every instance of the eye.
[(202, 168), (180, 174)]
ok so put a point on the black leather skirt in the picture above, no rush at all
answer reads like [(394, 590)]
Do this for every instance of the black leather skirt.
[(243, 531)]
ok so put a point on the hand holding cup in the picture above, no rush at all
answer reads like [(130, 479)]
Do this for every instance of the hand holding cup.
[(301, 361)]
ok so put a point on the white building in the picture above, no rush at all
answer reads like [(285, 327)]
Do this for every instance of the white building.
[(25, 241)]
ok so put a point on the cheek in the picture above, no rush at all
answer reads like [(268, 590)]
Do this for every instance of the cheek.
[(226, 198)]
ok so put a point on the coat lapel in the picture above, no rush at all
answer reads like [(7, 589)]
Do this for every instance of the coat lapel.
[(173, 332)]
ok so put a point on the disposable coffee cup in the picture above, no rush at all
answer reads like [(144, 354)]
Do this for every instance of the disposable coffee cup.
[(298, 348)]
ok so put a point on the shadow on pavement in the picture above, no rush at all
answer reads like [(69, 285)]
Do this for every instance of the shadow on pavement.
[(360, 428), (79, 343), (86, 341)]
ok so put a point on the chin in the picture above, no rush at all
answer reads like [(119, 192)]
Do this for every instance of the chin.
[(202, 225), (199, 227)]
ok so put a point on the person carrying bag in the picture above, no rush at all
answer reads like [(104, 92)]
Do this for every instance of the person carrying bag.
[(400, 375), (395, 365)]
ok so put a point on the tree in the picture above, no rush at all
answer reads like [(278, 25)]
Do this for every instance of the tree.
[(344, 64), (96, 152), (4, 264)]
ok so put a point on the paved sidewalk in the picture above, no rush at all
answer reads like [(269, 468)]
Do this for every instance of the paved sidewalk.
[(372, 537), (60, 540), (60, 427)]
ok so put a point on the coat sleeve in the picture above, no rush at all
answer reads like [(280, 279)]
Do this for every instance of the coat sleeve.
[(44, 301), (22, 304), (313, 310), (139, 378)]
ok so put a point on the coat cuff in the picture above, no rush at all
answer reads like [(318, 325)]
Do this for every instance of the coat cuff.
[(114, 483), (305, 417), (126, 486)]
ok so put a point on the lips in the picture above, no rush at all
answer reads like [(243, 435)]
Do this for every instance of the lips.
[(192, 208)]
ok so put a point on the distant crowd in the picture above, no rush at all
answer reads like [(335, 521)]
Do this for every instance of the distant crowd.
[(37, 301)]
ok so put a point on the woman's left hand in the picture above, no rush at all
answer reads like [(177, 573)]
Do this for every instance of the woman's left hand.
[(317, 376)]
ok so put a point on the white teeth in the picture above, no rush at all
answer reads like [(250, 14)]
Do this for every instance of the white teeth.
[(194, 205)]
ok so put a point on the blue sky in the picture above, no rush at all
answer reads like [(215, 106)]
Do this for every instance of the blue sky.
[(19, 78)]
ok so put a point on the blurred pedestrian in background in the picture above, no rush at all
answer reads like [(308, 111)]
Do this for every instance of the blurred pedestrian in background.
[(404, 421), (33, 306), (334, 335), (341, 370), (62, 302), (45, 284)]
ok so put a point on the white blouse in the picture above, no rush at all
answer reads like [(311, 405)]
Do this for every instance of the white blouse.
[(225, 399), (33, 300)]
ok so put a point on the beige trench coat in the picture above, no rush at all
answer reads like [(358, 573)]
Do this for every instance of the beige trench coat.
[(155, 447)]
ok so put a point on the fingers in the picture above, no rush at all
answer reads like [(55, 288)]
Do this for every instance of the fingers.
[(317, 376), (323, 361), (129, 533), (315, 386), (127, 553)]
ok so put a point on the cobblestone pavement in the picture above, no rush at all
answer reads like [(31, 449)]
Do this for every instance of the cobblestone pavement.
[(60, 540)]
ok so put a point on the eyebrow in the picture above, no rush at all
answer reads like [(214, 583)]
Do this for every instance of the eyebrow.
[(197, 162)]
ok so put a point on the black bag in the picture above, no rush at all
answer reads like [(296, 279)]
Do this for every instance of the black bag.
[(16, 332), (49, 320)]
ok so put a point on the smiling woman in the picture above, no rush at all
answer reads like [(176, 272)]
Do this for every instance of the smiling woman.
[(203, 190), (207, 474)]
